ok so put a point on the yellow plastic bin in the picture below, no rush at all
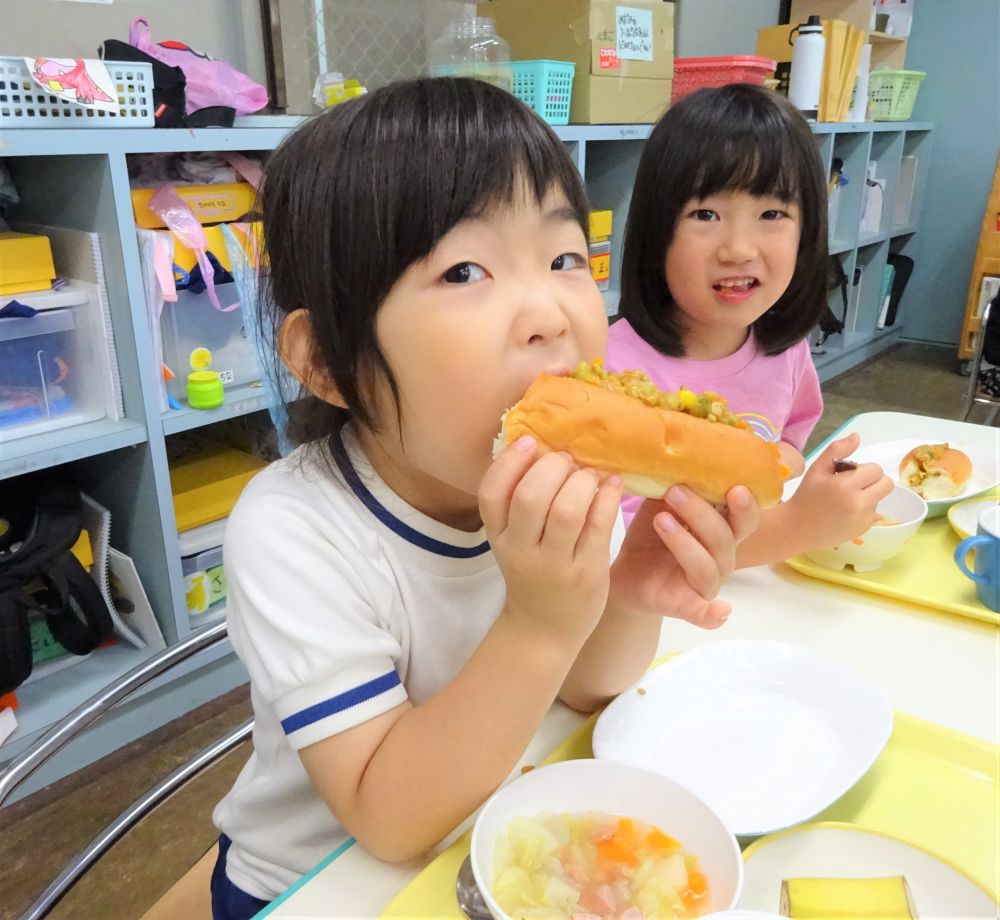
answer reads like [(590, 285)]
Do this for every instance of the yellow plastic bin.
[(211, 204)]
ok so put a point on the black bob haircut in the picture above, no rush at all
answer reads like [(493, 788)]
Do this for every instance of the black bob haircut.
[(363, 191), (735, 138)]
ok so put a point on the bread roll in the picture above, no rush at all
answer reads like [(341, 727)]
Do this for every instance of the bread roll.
[(651, 448), (935, 471)]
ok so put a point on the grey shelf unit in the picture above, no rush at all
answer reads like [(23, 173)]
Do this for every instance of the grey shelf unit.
[(78, 178), (856, 144)]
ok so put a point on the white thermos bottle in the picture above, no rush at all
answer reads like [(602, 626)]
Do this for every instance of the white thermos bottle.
[(807, 67)]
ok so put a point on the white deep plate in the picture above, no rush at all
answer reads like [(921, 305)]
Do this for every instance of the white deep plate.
[(839, 851), (768, 734), (985, 467), (964, 517)]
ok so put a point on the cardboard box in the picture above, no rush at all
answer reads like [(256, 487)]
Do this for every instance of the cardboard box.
[(614, 101), (588, 33)]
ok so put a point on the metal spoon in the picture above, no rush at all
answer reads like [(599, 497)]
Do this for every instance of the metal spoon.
[(470, 899)]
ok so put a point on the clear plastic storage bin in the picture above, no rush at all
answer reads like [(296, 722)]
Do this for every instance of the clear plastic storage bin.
[(192, 322), (52, 371), (201, 563)]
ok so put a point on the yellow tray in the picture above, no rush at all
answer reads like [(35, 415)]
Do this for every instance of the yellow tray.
[(931, 787), (923, 573)]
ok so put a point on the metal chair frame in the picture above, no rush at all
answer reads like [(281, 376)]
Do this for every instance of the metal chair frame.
[(972, 395), (70, 726)]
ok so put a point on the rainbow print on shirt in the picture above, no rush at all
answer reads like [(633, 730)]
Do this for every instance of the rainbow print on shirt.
[(761, 426)]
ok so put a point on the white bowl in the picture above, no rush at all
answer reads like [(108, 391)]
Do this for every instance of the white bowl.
[(881, 542), (617, 789)]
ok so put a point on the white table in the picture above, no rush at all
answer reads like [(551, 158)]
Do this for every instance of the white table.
[(938, 667)]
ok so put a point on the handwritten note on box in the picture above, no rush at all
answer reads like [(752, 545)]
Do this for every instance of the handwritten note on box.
[(634, 33)]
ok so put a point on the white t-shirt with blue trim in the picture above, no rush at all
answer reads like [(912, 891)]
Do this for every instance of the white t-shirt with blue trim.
[(343, 601)]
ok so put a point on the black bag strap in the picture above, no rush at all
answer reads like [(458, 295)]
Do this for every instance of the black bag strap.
[(829, 324), (15, 639), (74, 608)]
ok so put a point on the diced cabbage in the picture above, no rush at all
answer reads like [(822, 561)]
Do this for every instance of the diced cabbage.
[(532, 843), (560, 895)]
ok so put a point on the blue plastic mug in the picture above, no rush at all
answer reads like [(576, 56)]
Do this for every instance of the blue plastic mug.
[(986, 543)]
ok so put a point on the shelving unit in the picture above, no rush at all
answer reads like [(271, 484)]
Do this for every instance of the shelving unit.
[(885, 143), (887, 50), (79, 179)]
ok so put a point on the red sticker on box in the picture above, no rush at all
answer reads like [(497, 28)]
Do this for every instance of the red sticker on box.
[(609, 59)]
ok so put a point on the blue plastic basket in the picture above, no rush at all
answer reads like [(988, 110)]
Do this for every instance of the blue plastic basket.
[(545, 86)]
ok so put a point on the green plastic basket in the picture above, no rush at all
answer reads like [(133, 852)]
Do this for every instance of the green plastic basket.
[(891, 93), (546, 87)]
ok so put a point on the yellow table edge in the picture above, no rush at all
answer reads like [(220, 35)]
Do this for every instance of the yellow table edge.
[(423, 896)]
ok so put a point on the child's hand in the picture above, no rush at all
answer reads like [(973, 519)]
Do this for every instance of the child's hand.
[(829, 507), (677, 554), (549, 524)]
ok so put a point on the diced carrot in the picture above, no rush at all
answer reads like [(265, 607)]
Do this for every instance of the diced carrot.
[(611, 851), (625, 834), (697, 887), (660, 843)]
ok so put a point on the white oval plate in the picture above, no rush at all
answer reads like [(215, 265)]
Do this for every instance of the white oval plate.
[(768, 734), (964, 517), (985, 468), (843, 851)]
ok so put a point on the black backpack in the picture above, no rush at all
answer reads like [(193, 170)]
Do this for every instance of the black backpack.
[(41, 517), (169, 91)]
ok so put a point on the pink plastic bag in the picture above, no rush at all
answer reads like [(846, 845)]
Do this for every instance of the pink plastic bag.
[(179, 218), (209, 82)]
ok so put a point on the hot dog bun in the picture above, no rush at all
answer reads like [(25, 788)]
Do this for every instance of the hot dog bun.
[(935, 471), (649, 447)]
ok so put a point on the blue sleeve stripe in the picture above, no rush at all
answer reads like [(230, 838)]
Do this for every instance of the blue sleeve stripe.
[(340, 702)]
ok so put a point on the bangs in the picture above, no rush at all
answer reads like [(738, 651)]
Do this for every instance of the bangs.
[(466, 149), (758, 152), (735, 166)]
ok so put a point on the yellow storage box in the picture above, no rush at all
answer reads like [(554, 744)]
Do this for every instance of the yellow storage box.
[(25, 263), (211, 204), (600, 225), (208, 480)]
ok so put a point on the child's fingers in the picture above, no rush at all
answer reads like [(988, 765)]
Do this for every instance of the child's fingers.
[(742, 513), (501, 479), (866, 475), (880, 488), (708, 527), (838, 450), (567, 513), (712, 616), (533, 497), (601, 518), (699, 566)]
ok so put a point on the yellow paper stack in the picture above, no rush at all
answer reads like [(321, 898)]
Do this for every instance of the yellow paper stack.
[(840, 64), (840, 68)]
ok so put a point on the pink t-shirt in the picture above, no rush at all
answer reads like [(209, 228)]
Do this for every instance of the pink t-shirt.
[(777, 396)]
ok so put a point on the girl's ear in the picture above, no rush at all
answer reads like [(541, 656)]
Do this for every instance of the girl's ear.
[(298, 351)]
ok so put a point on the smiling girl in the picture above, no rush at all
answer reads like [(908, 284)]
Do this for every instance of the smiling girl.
[(723, 277)]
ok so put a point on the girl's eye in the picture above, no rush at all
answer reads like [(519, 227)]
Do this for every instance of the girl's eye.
[(704, 214), (464, 273), (568, 261), (773, 214)]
